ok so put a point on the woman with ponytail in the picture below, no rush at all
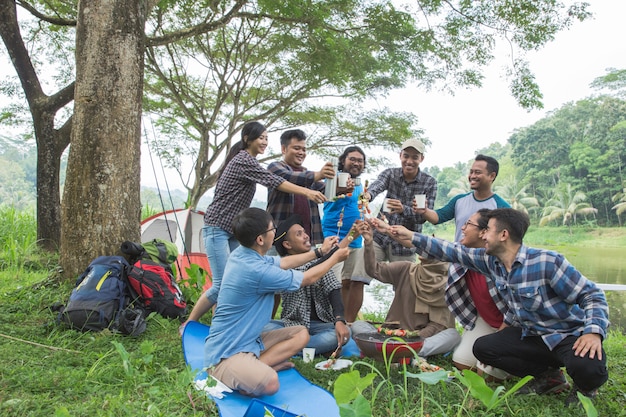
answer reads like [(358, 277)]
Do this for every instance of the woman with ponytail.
[(234, 191)]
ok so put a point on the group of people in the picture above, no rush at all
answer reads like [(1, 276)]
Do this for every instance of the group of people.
[(524, 311)]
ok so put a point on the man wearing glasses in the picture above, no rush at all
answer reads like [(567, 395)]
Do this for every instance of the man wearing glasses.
[(339, 216), (236, 351), (481, 176), (475, 301)]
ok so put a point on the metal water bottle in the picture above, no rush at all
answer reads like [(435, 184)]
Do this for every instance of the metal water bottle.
[(331, 183)]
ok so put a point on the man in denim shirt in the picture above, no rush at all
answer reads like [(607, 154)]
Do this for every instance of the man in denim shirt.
[(557, 317)]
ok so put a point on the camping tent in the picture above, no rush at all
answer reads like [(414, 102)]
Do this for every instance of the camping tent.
[(184, 228)]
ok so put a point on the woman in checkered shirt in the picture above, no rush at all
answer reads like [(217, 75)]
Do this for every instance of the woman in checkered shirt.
[(234, 191)]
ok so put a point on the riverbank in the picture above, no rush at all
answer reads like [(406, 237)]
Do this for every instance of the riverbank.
[(554, 236)]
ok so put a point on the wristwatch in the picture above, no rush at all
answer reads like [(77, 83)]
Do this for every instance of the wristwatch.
[(341, 319)]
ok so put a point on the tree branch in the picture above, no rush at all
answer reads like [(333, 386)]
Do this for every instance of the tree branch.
[(204, 27), (55, 20)]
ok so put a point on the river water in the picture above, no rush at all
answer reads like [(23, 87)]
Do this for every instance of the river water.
[(601, 265)]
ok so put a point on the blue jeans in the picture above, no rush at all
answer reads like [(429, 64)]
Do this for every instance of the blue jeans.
[(323, 336), (219, 244)]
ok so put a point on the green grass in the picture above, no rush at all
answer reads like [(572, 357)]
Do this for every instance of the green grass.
[(46, 370)]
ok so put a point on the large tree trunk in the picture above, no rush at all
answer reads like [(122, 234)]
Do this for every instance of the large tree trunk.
[(50, 146), (101, 206)]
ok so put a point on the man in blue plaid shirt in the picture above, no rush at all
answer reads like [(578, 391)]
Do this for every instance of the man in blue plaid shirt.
[(556, 317)]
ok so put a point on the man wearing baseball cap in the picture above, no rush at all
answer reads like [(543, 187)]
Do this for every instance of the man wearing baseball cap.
[(402, 184)]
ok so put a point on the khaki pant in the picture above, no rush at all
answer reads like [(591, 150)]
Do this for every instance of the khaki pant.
[(244, 371)]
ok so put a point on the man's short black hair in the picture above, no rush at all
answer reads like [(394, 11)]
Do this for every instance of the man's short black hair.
[(492, 163), (285, 138), (483, 219), (249, 224), (515, 221)]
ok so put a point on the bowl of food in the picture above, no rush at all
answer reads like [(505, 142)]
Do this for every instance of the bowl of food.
[(377, 345)]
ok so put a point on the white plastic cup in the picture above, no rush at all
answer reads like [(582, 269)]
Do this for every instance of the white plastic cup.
[(386, 207), (420, 200), (357, 181), (343, 179), (308, 354)]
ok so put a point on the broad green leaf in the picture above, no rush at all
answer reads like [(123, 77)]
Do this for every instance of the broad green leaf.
[(349, 385), (359, 408), (430, 378), (588, 406)]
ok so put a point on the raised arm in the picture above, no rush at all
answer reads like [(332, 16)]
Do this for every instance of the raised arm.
[(312, 195), (316, 272)]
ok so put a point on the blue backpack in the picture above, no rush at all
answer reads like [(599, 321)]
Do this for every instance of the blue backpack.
[(100, 299)]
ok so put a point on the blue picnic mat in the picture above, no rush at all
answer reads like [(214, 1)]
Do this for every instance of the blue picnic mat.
[(296, 395)]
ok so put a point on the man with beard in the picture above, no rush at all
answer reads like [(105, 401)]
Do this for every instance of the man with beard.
[(339, 216)]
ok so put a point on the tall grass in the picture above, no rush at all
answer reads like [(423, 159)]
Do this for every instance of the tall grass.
[(19, 252)]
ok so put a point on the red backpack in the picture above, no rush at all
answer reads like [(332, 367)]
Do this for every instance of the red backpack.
[(156, 288)]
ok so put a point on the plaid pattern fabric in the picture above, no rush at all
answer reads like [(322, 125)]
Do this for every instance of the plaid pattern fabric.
[(281, 205), (235, 189), (546, 295), (297, 304), (397, 188), (460, 301)]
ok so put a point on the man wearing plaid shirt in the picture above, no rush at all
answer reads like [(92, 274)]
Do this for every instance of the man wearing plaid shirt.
[(402, 184), (281, 205), (318, 307), (557, 317)]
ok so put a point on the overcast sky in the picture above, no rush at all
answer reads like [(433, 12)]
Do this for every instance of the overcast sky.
[(458, 126)]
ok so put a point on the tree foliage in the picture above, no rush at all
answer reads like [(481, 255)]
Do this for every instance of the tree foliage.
[(566, 205), (431, 42), (300, 70)]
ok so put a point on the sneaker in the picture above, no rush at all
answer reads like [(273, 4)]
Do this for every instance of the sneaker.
[(573, 399), (550, 382)]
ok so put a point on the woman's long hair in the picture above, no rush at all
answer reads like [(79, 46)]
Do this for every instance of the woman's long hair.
[(250, 132)]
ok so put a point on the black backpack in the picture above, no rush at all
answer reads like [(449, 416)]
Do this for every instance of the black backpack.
[(156, 288), (100, 299)]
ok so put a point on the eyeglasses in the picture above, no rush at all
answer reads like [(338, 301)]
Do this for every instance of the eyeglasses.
[(469, 223), (356, 160), (268, 230)]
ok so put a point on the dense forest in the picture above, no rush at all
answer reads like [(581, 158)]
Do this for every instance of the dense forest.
[(565, 169)]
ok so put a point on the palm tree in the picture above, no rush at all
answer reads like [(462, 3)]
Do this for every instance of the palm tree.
[(461, 186), (516, 196), (566, 204), (620, 199)]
